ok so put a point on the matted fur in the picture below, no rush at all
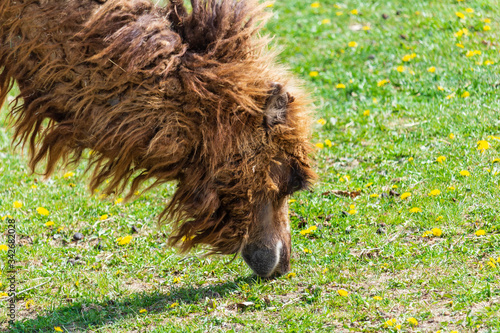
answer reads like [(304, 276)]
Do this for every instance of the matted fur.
[(157, 93)]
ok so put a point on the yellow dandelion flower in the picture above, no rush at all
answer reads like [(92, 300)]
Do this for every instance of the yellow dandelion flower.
[(427, 233), (483, 145), (439, 218), (374, 195), (451, 188), (143, 311), (406, 58), (451, 136), (465, 173), (69, 174), (412, 321), (29, 303), (49, 223), (173, 305), (270, 5), (320, 145), (4, 247), (390, 322), (124, 240), (441, 159), (465, 94), (352, 44), (42, 211), (340, 86), (366, 113), (405, 195), (460, 45), (460, 15), (103, 217), (470, 53), (366, 28), (437, 232), (307, 250), (321, 121), (394, 186), (469, 10), (480, 232), (58, 329), (431, 69), (488, 62), (353, 212), (118, 201), (291, 275), (434, 193), (17, 204), (325, 21), (313, 228), (2, 294), (60, 229), (354, 12), (397, 327), (410, 159), (325, 271), (313, 73), (369, 184), (400, 69), (382, 82), (342, 292), (415, 210), (450, 96), (486, 28), (377, 298), (374, 100), (292, 200), (34, 187), (328, 143), (338, 13), (315, 5)]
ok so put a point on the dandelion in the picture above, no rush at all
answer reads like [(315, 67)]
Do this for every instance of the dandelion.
[(325, 21), (2, 294), (488, 62), (460, 15), (291, 275), (17, 204), (427, 233), (460, 45), (325, 270), (328, 143), (342, 292), (440, 159), (366, 113), (338, 13), (103, 217), (374, 100), (390, 322), (143, 311), (465, 173), (413, 321), (321, 121), (382, 82), (434, 193), (313, 73), (398, 327), (34, 187), (118, 201), (410, 159), (68, 174), (354, 12), (340, 86), (415, 210), (124, 240), (176, 280), (42, 211), (352, 44), (431, 69), (465, 94), (377, 298), (451, 136), (405, 195), (49, 223), (439, 218), (486, 28), (307, 250), (4, 247), (482, 145), (369, 184), (374, 195), (437, 232), (394, 186), (366, 28), (450, 96), (320, 145), (353, 212), (406, 58), (58, 329), (173, 305), (315, 5), (480, 232), (29, 303), (400, 69), (451, 188)]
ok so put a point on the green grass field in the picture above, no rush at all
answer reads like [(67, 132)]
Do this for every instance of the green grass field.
[(400, 233)]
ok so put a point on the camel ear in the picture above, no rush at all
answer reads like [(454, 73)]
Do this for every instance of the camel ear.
[(276, 105)]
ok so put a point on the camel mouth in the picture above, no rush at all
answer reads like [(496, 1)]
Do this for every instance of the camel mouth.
[(266, 262)]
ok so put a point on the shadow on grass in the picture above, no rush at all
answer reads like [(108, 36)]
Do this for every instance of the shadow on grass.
[(89, 314)]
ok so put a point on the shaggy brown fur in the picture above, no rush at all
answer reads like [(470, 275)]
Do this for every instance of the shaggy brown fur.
[(160, 93)]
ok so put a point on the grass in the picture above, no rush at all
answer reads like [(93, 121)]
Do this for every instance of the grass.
[(370, 246)]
